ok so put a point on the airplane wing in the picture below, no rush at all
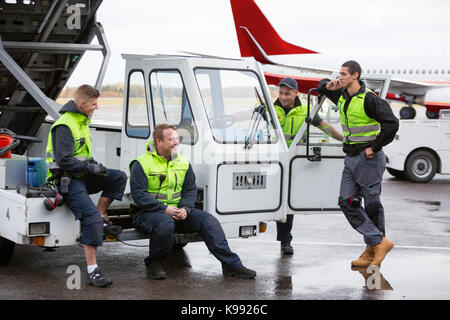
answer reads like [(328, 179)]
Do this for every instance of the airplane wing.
[(418, 92), (405, 87)]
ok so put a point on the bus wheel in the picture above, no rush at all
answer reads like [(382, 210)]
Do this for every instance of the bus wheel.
[(421, 166)]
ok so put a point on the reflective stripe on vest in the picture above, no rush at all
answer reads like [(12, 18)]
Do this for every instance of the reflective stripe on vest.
[(164, 178), (362, 129), (54, 165), (357, 126), (161, 196), (359, 139)]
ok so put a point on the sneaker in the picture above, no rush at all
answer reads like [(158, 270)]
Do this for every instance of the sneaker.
[(286, 249), (242, 272), (97, 279), (111, 230), (155, 271)]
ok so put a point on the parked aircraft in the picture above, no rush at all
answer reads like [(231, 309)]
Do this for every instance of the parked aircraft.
[(421, 80)]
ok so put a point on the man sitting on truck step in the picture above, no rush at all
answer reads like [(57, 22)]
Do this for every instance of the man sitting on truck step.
[(69, 150), (163, 184)]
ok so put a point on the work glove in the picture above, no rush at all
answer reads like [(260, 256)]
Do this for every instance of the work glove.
[(97, 170), (56, 174), (321, 85)]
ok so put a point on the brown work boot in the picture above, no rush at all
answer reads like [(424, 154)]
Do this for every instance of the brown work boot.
[(365, 259), (381, 250)]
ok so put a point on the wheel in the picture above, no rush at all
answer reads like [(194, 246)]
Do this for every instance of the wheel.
[(421, 166), (396, 173), (407, 113), (6, 250), (432, 115)]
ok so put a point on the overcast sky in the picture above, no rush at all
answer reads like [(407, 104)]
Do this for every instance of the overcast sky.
[(327, 26)]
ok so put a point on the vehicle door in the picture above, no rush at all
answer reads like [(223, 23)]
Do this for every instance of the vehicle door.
[(155, 93)]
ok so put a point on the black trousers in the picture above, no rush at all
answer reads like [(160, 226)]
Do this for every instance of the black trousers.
[(284, 229)]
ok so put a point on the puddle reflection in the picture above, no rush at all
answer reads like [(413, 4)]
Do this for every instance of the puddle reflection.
[(373, 278), (283, 277)]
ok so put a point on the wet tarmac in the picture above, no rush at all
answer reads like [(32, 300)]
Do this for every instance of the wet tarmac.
[(417, 220)]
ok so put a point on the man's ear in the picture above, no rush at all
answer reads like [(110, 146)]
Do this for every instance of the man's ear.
[(80, 103)]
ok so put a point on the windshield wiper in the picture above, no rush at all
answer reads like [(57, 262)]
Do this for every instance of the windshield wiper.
[(161, 97), (258, 113)]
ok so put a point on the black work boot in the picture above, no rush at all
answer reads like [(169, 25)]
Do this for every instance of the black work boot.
[(286, 248), (155, 271), (97, 279), (242, 272)]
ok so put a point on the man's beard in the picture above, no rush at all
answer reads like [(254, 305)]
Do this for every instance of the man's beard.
[(173, 153)]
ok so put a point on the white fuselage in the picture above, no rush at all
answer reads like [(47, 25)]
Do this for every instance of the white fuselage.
[(413, 68), (431, 70)]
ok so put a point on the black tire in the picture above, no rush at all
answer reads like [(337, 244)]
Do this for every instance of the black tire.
[(6, 250), (421, 166), (396, 173), (407, 113), (432, 115)]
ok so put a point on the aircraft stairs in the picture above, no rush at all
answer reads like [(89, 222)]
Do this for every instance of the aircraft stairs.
[(41, 44)]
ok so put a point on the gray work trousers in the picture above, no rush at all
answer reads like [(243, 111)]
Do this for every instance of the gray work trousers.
[(362, 178)]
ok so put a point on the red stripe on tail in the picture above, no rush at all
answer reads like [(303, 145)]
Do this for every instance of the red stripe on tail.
[(247, 14)]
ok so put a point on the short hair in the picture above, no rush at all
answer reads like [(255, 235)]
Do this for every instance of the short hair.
[(86, 92), (353, 67), (159, 131)]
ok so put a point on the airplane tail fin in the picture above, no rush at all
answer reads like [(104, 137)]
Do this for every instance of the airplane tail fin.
[(256, 36)]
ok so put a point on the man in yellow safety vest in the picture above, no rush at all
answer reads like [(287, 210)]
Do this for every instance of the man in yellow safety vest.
[(368, 124), (292, 114), (163, 185)]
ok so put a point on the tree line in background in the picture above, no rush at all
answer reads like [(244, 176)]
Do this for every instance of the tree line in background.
[(116, 91), (107, 91)]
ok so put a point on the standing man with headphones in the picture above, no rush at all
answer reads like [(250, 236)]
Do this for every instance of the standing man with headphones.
[(368, 124), (292, 114), (69, 154)]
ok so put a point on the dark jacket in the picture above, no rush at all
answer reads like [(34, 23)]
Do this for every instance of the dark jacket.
[(376, 108), (139, 187), (63, 145)]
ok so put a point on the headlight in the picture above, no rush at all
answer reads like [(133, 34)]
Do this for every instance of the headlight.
[(38, 228), (247, 231)]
